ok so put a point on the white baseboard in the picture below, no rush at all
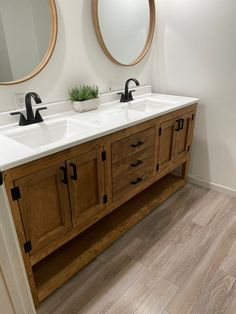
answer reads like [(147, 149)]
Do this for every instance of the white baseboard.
[(212, 186)]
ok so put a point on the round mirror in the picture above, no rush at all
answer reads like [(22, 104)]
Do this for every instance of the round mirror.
[(124, 28), (28, 32)]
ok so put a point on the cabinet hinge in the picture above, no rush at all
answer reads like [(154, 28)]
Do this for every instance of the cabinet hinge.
[(158, 167), (160, 131), (188, 148), (1, 178), (105, 199), (28, 246), (104, 155), (15, 193), (192, 116)]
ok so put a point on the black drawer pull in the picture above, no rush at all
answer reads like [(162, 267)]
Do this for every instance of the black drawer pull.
[(136, 163), (181, 124), (65, 180), (74, 175), (178, 127), (136, 181), (140, 143)]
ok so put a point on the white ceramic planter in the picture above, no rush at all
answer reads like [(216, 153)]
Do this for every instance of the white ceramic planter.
[(86, 105)]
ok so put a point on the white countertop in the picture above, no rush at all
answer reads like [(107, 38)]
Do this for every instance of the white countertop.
[(109, 118)]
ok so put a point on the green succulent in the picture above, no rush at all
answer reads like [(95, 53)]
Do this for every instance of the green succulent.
[(83, 93)]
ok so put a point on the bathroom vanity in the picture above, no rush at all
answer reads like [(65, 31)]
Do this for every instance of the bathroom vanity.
[(72, 197)]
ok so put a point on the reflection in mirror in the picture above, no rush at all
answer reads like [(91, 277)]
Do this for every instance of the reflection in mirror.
[(27, 38), (124, 28)]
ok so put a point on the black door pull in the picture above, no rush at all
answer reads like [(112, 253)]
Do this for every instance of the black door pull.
[(74, 175), (178, 126), (65, 180), (181, 124), (136, 163), (136, 181), (140, 143)]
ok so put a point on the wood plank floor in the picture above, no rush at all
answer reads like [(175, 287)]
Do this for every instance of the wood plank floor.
[(180, 259)]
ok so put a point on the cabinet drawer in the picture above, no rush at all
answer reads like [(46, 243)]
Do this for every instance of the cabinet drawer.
[(132, 163), (132, 144), (127, 184)]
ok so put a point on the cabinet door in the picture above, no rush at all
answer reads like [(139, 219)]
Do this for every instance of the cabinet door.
[(183, 136), (167, 141), (86, 186), (44, 205)]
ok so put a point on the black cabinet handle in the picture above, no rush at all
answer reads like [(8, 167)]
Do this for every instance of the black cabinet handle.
[(74, 175), (65, 180), (136, 163), (140, 143), (181, 124), (178, 127), (136, 181)]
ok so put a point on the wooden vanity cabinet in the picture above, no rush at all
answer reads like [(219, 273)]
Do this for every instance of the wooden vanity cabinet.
[(44, 205), (175, 138), (87, 186), (70, 206), (184, 135), (132, 162), (167, 144)]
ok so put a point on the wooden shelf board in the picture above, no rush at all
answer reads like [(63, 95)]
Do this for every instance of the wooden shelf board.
[(61, 265)]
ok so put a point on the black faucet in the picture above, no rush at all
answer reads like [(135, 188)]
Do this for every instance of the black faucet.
[(127, 96), (30, 117)]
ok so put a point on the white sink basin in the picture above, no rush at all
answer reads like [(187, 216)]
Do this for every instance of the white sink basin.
[(113, 116), (48, 133), (149, 105)]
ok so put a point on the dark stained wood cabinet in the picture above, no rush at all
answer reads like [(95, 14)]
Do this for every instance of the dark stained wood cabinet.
[(86, 186), (73, 204)]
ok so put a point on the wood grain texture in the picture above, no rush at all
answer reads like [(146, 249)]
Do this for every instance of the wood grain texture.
[(135, 295), (64, 263), (199, 286), (210, 204), (55, 257), (229, 305), (229, 263), (132, 144), (110, 293), (88, 189), (44, 207), (158, 299), (215, 294), (217, 246)]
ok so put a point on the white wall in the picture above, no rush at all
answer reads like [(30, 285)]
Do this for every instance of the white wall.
[(195, 55), (77, 59)]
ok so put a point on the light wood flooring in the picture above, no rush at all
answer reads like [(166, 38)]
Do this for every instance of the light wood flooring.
[(180, 259)]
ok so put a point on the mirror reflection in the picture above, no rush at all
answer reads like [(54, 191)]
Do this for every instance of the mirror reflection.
[(125, 28), (25, 34)]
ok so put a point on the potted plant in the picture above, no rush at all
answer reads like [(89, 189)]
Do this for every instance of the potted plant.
[(84, 98)]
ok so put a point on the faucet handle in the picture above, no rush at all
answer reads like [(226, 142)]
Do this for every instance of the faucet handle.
[(23, 120), (122, 98), (15, 113), (41, 108), (38, 116), (130, 95)]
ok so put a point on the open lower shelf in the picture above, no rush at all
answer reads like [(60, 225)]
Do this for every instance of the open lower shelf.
[(55, 269)]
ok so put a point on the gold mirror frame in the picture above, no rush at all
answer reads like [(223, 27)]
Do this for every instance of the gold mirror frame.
[(49, 52), (152, 10)]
